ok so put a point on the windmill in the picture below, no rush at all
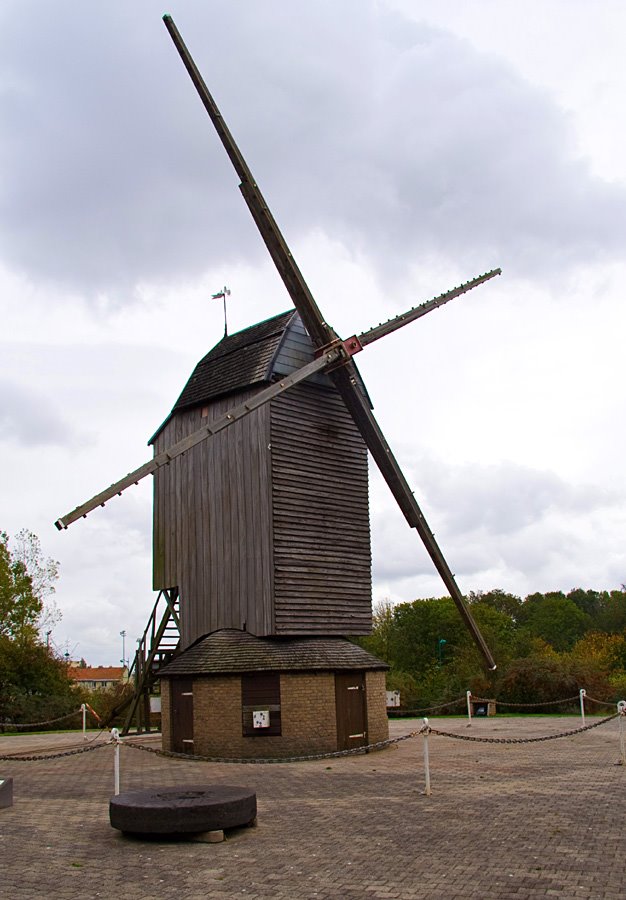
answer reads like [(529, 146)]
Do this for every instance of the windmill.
[(236, 416)]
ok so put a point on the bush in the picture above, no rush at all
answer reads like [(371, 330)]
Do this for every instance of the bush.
[(541, 680)]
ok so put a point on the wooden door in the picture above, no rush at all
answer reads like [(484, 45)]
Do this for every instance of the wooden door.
[(351, 704), (182, 715)]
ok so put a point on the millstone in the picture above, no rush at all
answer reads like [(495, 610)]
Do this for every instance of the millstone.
[(183, 810)]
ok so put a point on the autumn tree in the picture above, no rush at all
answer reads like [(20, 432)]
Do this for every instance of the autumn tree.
[(34, 685)]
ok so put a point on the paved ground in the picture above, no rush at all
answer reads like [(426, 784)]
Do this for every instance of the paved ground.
[(509, 820)]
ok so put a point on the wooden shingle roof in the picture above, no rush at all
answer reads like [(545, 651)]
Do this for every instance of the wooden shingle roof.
[(252, 357), (230, 651), (236, 362)]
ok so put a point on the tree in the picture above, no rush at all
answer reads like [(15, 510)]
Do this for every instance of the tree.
[(34, 685), (612, 618), (591, 602), (555, 618), (545, 680), (379, 641), (26, 582), (499, 600)]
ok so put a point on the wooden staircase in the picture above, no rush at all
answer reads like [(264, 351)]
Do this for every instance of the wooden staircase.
[(158, 645)]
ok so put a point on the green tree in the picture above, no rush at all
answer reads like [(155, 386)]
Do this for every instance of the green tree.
[(379, 641), (544, 680), (612, 617), (591, 602), (20, 607), (555, 619), (34, 685), (500, 600), (43, 572), (417, 629)]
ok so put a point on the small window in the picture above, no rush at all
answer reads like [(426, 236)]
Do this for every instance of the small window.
[(260, 693), (204, 412)]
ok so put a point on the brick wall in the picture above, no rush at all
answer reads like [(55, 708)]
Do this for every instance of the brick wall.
[(307, 712), (308, 708), (377, 721)]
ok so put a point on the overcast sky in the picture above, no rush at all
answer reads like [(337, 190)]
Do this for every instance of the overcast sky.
[(403, 147)]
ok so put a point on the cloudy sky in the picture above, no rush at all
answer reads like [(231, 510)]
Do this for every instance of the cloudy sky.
[(404, 147)]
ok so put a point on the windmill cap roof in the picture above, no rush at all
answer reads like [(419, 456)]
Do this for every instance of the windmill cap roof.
[(236, 362), (231, 651), (240, 361)]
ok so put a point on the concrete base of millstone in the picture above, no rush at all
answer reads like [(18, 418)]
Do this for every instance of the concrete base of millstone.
[(207, 837), (198, 812), (6, 792)]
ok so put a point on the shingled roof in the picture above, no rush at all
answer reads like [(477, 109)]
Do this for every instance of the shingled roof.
[(236, 362), (230, 651)]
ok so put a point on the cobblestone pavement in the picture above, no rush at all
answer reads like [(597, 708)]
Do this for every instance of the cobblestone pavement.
[(503, 820)]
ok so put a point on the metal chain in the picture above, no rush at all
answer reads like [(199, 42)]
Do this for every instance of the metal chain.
[(600, 702), (406, 712), (76, 712), (527, 705), (535, 740), (334, 754), (71, 752)]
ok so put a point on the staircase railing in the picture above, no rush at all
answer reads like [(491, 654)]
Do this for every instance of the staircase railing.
[(156, 647)]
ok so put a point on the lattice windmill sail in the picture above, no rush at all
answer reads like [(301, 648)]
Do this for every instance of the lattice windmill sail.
[(325, 395)]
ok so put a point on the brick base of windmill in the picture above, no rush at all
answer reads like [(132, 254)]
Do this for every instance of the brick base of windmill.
[(233, 695)]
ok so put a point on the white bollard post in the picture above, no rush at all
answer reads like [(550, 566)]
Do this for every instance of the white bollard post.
[(583, 694), (621, 708), (115, 736), (83, 709), (426, 759), (468, 695)]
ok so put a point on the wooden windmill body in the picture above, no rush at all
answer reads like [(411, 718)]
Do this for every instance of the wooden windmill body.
[(261, 525), (265, 528)]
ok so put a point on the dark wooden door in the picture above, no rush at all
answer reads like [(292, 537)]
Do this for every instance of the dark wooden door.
[(182, 715), (351, 710)]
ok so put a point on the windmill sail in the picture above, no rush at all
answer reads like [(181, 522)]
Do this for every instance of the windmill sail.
[(321, 335)]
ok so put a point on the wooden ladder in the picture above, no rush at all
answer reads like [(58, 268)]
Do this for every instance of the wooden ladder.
[(157, 646)]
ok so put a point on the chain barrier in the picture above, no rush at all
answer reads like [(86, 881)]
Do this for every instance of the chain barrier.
[(528, 705), (331, 754), (73, 751), (532, 740), (76, 712), (409, 712), (599, 702)]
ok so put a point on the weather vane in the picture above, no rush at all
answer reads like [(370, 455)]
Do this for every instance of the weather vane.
[(224, 293)]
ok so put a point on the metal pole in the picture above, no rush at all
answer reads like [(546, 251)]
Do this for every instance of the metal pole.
[(468, 695), (425, 732), (621, 708), (115, 736), (83, 709), (583, 694)]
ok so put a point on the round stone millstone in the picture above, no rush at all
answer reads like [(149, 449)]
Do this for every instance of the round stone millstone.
[(183, 810)]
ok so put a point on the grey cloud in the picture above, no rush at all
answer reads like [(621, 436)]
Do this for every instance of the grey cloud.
[(397, 138), (503, 498), (502, 525), (29, 418)]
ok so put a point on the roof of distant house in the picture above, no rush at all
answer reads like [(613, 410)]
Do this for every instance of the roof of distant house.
[(97, 673)]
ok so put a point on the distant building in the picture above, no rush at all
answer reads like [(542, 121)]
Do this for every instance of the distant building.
[(98, 677)]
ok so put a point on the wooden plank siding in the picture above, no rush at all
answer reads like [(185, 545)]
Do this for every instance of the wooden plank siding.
[(322, 557), (295, 351), (212, 523), (265, 526)]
